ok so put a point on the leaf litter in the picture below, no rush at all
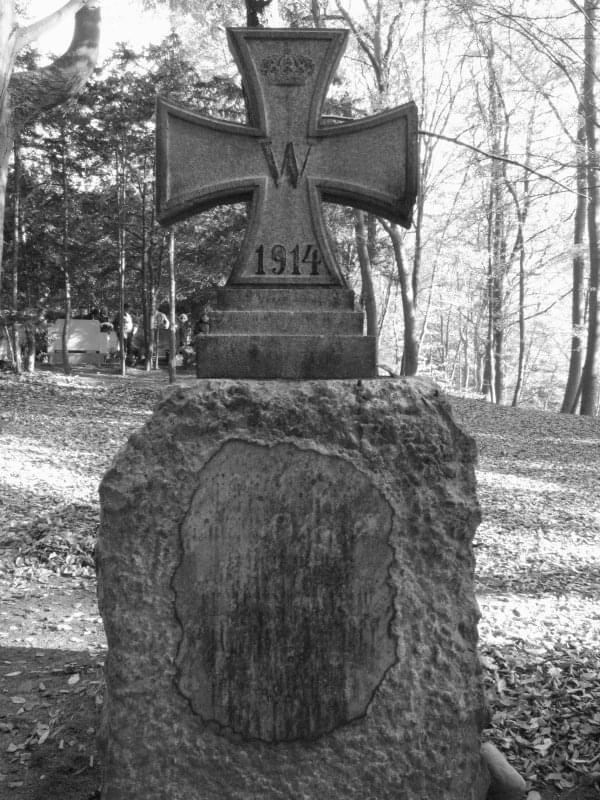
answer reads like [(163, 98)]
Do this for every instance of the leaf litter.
[(537, 581)]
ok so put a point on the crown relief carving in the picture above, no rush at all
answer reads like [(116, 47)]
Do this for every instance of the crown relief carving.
[(287, 69)]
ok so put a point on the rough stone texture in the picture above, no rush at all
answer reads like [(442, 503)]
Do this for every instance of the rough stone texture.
[(291, 357), (288, 323), (295, 298), (286, 581)]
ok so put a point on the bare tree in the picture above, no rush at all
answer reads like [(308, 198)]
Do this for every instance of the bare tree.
[(23, 96), (262, 13), (378, 39), (574, 66), (590, 378), (573, 387)]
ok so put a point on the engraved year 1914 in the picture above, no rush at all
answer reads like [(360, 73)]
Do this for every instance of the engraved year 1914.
[(282, 260)]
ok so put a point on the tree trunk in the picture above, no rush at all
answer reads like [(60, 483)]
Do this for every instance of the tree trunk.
[(172, 315), (16, 238), (67, 324), (522, 210), (65, 256), (418, 252), (16, 242), (41, 89), (368, 290), (499, 376), (497, 278), (262, 14), (488, 384), (522, 343), (122, 353), (497, 123), (152, 278), (29, 331), (410, 352), (146, 283), (146, 294), (496, 272), (590, 379), (569, 404), (467, 366), (5, 150), (7, 59), (121, 238)]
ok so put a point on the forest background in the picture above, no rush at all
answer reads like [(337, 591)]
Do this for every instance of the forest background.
[(494, 288)]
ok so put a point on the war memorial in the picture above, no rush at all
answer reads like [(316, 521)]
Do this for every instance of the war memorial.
[(285, 564)]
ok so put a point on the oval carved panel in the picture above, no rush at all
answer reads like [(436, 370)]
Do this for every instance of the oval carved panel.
[(282, 592)]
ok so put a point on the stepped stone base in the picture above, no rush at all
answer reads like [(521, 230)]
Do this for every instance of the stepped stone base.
[(302, 333), (288, 323), (285, 357), (291, 298)]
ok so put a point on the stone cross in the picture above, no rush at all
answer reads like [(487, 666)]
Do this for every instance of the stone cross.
[(285, 161)]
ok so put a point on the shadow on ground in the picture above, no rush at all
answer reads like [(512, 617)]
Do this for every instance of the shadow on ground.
[(50, 704)]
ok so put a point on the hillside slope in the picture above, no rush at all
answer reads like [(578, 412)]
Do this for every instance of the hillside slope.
[(538, 582), (538, 576)]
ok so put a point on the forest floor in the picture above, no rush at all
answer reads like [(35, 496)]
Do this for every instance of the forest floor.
[(538, 581)]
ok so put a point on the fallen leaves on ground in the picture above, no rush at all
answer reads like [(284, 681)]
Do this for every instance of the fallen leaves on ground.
[(538, 574), (59, 436), (537, 582), (48, 731)]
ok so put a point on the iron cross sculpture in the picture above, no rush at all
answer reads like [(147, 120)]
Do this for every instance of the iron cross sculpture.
[(285, 161)]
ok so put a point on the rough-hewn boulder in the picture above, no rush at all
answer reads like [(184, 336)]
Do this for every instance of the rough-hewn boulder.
[(286, 580)]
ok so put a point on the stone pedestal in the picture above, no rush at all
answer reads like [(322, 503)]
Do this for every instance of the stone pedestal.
[(286, 580), (286, 332)]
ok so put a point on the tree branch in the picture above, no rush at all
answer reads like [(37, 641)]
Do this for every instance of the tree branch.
[(29, 33), (496, 157), (390, 38), (38, 90), (545, 310)]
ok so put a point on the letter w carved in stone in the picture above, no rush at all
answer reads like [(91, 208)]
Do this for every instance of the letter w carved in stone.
[(289, 165)]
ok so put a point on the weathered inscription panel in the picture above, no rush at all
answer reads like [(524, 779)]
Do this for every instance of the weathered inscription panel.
[(284, 601)]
